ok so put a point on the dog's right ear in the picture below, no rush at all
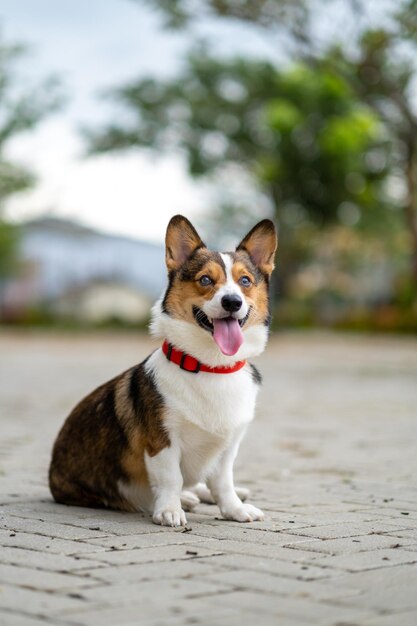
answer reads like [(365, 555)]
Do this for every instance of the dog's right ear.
[(261, 243), (181, 241)]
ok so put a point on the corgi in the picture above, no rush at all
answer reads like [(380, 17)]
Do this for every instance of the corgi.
[(163, 436)]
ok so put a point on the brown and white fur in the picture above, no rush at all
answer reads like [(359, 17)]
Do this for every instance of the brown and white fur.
[(157, 438)]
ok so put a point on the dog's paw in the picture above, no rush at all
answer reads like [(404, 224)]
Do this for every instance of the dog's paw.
[(244, 513), (170, 517)]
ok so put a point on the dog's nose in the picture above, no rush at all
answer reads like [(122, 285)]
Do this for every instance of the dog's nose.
[(231, 303)]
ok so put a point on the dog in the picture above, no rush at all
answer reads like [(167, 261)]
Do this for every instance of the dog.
[(164, 435)]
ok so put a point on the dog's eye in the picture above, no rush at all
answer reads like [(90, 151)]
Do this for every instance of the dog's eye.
[(245, 281), (205, 280)]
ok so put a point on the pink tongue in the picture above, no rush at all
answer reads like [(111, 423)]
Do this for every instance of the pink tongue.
[(227, 335)]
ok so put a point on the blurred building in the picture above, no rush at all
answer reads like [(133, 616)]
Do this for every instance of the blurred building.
[(73, 272)]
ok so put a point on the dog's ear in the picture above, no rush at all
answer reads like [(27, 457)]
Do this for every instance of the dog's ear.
[(181, 241), (261, 243)]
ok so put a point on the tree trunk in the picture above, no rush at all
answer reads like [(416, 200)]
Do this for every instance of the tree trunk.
[(410, 208), (281, 276), (287, 260)]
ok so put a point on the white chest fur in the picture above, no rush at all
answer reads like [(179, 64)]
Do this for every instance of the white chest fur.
[(216, 403), (205, 411)]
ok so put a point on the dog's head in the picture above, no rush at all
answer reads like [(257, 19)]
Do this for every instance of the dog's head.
[(216, 305)]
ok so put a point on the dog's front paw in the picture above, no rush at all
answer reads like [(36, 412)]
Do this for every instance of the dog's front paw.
[(169, 516), (243, 513)]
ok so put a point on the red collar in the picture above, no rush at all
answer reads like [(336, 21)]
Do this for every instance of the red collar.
[(190, 364)]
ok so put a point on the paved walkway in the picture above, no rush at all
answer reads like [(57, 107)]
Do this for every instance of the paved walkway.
[(331, 458)]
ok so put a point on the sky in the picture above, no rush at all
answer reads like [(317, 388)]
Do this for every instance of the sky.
[(92, 46)]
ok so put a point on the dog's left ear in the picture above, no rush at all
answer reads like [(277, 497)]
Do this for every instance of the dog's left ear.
[(181, 241), (261, 243)]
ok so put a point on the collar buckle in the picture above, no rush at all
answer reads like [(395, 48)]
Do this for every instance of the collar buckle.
[(183, 364)]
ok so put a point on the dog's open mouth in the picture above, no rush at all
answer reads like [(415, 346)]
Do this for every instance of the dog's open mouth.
[(203, 321), (226, 331)]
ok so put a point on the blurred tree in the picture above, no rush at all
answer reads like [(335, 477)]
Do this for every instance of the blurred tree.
[(280, 14), (301, 134), (374, 50), (385, 80), (21, 108)]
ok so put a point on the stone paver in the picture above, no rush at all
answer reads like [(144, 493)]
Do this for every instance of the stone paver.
[(331, 458)]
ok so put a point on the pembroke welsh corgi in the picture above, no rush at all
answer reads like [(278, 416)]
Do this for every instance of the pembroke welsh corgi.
[(164, 435)]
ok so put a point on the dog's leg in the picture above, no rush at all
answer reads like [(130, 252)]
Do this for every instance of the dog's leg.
[(189, 499), (204, 494), (223, 491), (242, 493), (166, 483)]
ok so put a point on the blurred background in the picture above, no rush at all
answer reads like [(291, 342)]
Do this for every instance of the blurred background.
[(116, 114)]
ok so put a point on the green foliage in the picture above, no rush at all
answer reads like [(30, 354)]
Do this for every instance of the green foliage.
[(8, 249), (325, 136), (21, 109), (210, 112), (301, 133), (330, 137), (179, 13), (13, 178)]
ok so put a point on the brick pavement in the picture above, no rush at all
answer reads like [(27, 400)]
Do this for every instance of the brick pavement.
[(331, 458)]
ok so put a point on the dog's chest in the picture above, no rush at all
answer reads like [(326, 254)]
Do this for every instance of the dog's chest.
[(219, 404), (205, 413)]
